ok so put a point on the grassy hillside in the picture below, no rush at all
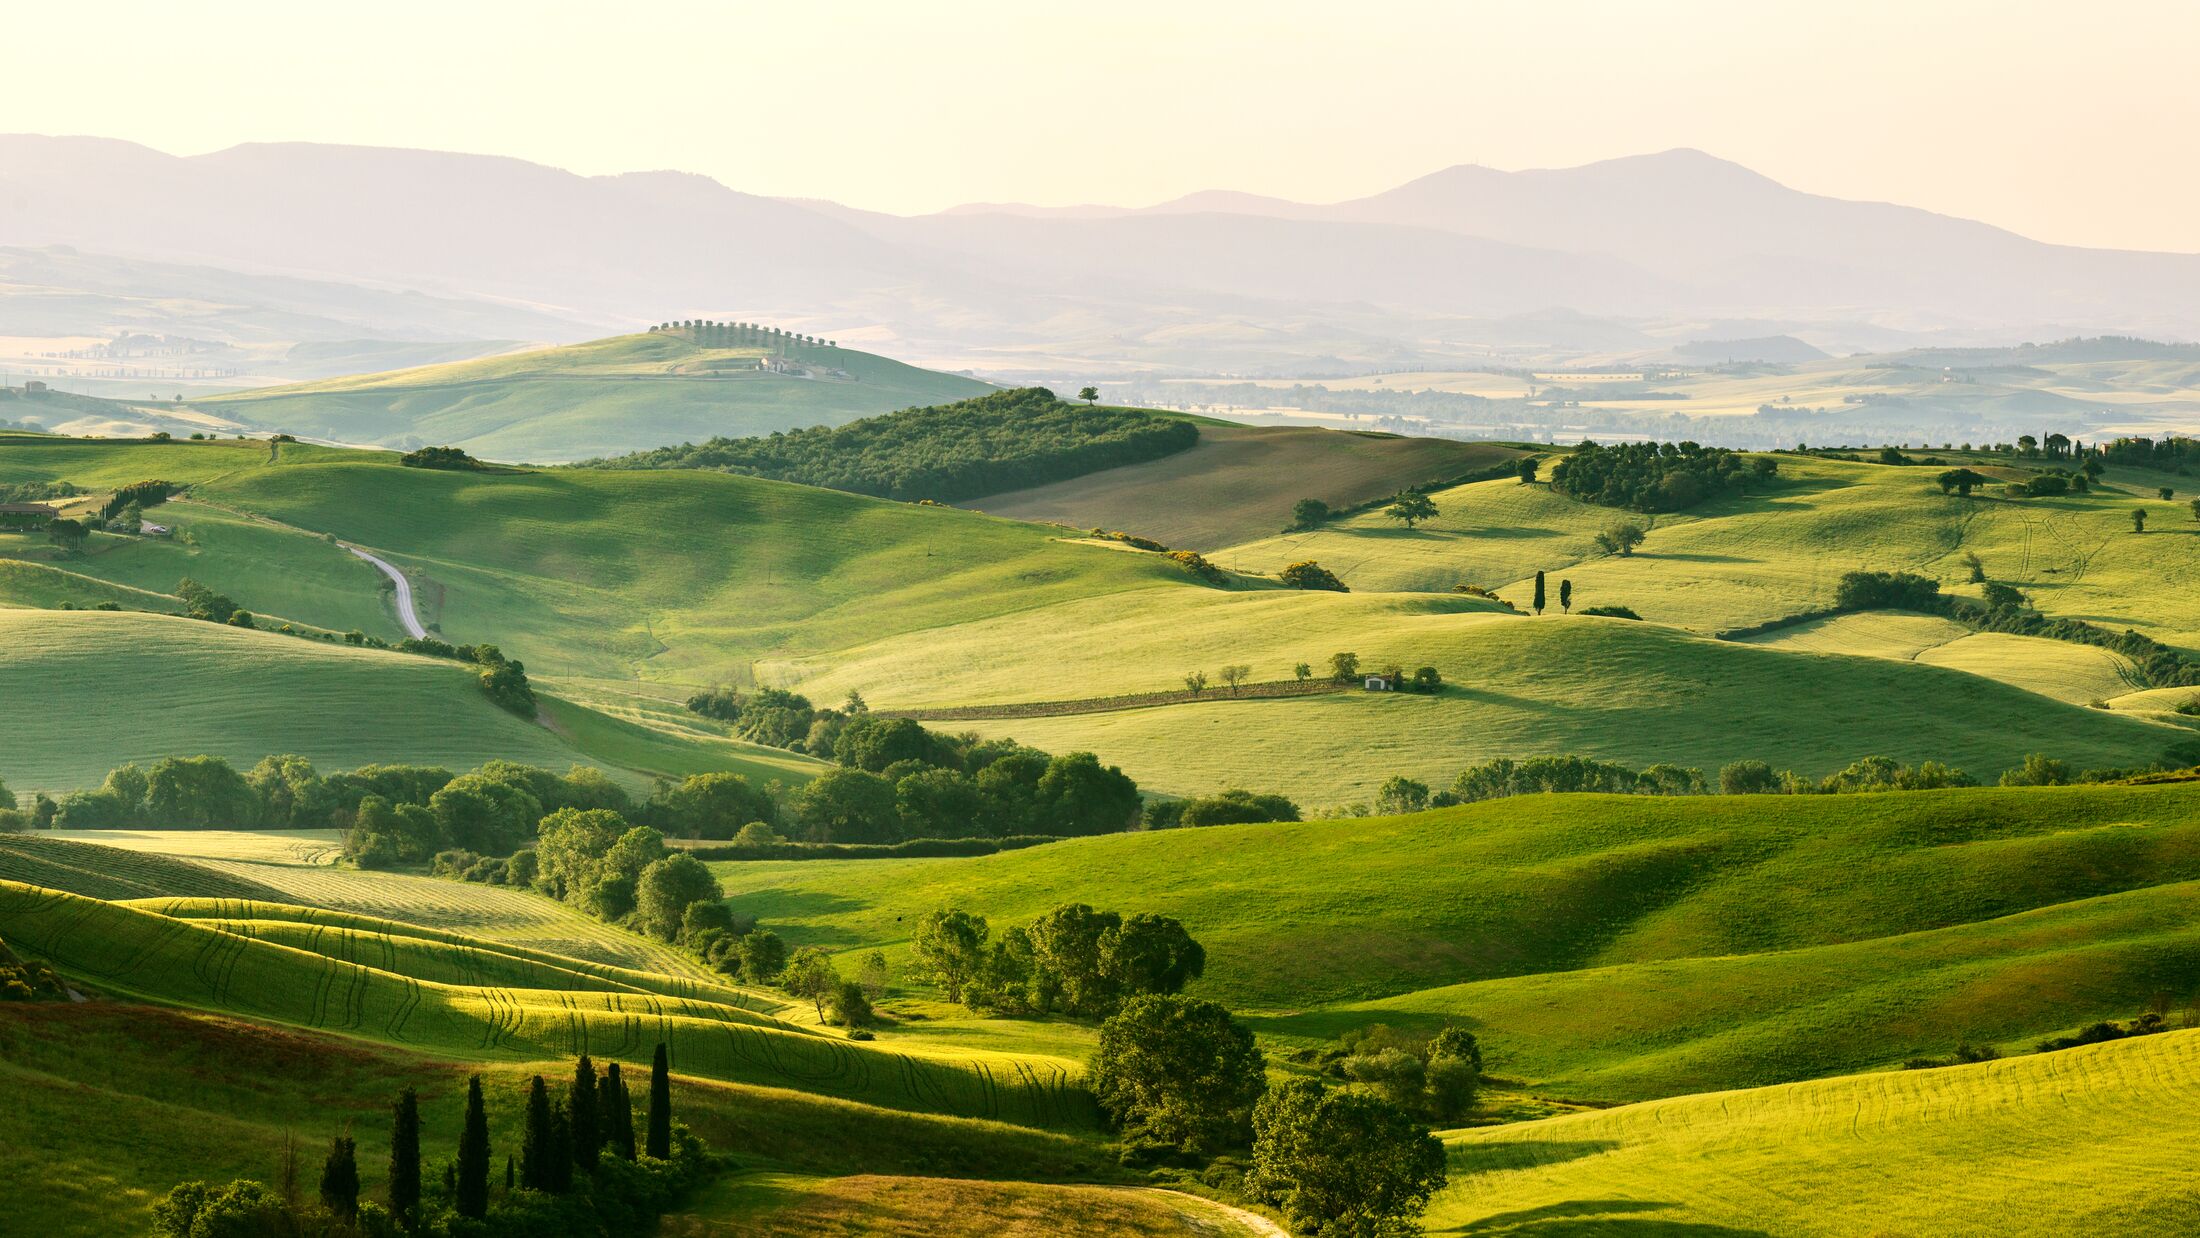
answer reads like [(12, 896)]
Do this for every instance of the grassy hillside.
[(1239, 483), (1620, 946), (119, 687), (106, 1071), (2089, 1140), (1735, 562), (193, 963), (609, 396), (590, 572), (1609, 688)]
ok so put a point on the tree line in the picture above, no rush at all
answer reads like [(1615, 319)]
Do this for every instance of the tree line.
[(581, 1168), (1006, 440), (900, 780)]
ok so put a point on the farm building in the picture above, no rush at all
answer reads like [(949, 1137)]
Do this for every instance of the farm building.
[(25, 515)]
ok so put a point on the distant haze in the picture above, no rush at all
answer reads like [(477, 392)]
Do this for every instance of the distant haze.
[(2060, 122)]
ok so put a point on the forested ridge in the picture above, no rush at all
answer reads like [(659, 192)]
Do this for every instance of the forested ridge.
[(1007, 440)]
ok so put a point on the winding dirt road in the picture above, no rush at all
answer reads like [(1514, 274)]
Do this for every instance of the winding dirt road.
[(405, 613)]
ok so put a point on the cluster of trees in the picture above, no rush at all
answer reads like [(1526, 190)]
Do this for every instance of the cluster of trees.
[(503, 680), (2050, 482), (1235, 806), (202, 603), (1655, 477), (448, 458), (581, 1168), (37, 491), (2175, 454), (1073, 960), (1433, 1074), (1006, 440), (1307, 574), (1179, 1077), (28, 980), (900, 780)]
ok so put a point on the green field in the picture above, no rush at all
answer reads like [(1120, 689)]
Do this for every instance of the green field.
[(1731, 563), (1631, 946), (1239, 483), (2086, 1141), (606, 397)]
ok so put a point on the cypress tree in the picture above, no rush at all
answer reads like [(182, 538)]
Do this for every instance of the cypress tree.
[(560, 1168), (586, 1108), (340, 1179), (1566, 596), (471, 1190), (534, 1142), (660, 1105), (618, 1113), (405, 1160), (1539, 593)]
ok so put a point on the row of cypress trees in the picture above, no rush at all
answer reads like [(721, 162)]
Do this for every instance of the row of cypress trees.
[(595, 1117)]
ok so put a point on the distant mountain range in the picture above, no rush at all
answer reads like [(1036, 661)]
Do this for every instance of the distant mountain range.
[(1630, 256)]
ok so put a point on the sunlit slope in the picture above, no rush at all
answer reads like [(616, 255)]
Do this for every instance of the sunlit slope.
[(1304, 914), (1736, 562), (1239, 482), (1608, 688), (108, 1071), (589, 571), (605, 397), (90, 690), (2090, 1140), (2080, 674), (192, 963)]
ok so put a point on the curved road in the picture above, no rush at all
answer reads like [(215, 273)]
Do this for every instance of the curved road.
[(405, 613)]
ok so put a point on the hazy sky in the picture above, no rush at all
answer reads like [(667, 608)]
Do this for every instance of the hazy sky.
[(2066, 121)]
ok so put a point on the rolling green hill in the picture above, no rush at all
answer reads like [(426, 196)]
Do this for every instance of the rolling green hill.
[(115, 687), (1239, 483), (193, 963), (1630, 692), (626, 393), (2088, 1140), (1622, 947)]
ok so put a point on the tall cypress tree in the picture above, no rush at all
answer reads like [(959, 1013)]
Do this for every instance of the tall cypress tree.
[(660, 1105), (471, 1191), (560, 1168), (618, 1113), (1539, 593), (586, 1109), (535, 1138), (405, 1160), (340, 1179)]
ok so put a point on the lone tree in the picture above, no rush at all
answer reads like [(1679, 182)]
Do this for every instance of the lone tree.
[(1235, 676), (1344, 667), (810, 973), (1306, 513), (660, 1105), (1621, 539), (2138, 520), (1303, 672), (1343, 1164), (2167, 493), (1195, 682), (1961, 481), (1410, 506), (1090, 395), (1539, 592), (1526, 469), (1566, 596), (1177, 1071), (471, 1195), (2196, 509), (340, 1179), (405, 1159)]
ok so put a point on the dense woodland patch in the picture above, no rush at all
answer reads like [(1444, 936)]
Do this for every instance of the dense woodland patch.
[(1655, 477), (1004, 441)]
